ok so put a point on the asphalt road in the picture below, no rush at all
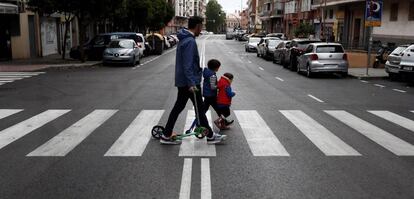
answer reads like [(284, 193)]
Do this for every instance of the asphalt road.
[(85, 133)]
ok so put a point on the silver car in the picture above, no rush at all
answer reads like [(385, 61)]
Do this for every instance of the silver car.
[(407, 63), (122, 51), (392, 66), (251, 44), (323, 58), (281, 55)]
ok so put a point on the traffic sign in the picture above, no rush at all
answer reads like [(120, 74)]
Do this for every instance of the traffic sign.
[(373, 13)]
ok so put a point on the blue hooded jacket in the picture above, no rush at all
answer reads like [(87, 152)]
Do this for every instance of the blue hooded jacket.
[(187, 63)]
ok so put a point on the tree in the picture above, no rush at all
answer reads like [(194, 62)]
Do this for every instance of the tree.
[(304, 30), (215, 16)]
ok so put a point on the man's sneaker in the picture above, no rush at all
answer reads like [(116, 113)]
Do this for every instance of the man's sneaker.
[(228, 123), (216, 138), (169, 140)]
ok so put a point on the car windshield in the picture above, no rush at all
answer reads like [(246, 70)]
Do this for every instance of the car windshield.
[(121, 44), (130, 36), (304, 44), (329, 49), (254, 40), (399, 50)]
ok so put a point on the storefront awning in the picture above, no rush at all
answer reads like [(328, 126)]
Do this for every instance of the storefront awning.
[(8, 8)]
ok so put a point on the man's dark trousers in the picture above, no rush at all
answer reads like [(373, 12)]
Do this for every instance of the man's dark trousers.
[(182, 97)]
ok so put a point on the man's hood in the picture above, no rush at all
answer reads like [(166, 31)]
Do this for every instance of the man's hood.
[(184, 33)]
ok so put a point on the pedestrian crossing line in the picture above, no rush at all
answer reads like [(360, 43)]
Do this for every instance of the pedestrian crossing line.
[(205, 179), (325, 140), (390, 142), (192, 146), (68, 139), (185, 188), (10, 78), (15, 132), (135, 138), (259, 136), (396, 119), (15, 76), (7, 112)]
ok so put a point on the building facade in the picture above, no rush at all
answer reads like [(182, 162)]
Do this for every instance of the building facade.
[(271, 16)]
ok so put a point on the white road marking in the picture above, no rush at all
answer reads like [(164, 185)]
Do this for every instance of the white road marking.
[(280, 79), (259, 136), (396, 119), (185, 189), (67, 140), (10, 78), (15, 76), (390, 142), (261, 68), (325, 140), (249, 62), (192, 146), (6, 81), (379, 85), (363, 81), (205, 179), (21, 129), (315, 98), (398, 90), (21, 73), (2, 83), (135, 138), (153, 59), (7, 112)]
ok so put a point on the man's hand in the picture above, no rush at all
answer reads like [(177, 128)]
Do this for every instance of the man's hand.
[(193, 89)]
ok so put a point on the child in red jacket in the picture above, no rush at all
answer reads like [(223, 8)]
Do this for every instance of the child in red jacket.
[(224, 96)]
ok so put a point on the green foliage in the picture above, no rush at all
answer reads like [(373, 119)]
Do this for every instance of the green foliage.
[(304, 30), (215, 16)]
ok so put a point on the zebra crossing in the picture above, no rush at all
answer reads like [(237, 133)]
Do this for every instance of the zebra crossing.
[(8, 77), (262, 140)]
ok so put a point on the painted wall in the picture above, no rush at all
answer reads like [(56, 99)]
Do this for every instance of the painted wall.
[(20, 44), (402, 28), (48, 28)]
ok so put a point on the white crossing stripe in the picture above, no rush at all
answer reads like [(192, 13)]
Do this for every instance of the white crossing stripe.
[(185, 189), (315, 98), (68, 139), (398, 90), (2, 83), (396, 119), (10, 78), (326, 141), (392, 143), (205, 179), (192, 146), (21, 129), (259, 136), (135, 138), (6, 81), (7, 112), (21, 73), (15, 76)]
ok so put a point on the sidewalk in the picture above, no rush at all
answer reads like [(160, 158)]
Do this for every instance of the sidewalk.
[(373, 73), (40, 63)]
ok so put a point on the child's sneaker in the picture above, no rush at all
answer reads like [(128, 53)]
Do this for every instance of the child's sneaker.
[(216, 138), (169, 140), (219, 123)]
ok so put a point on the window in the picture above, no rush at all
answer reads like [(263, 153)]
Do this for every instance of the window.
[(309, 49), (330, 14), (329, 49), (394, 12), (411, 12)]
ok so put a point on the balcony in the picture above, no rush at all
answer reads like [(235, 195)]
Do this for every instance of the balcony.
[(321, 3)]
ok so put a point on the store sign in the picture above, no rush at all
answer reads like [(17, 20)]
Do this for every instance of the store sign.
[(373, 13)]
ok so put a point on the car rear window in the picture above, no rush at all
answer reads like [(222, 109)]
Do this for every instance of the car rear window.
[(304, 44), (254, 39), (329, 49)]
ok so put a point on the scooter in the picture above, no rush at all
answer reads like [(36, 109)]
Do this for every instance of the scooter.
[(382, 54), (195, 129)]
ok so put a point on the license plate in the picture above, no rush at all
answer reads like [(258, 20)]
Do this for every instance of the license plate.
[(408, 68), (331, 66)]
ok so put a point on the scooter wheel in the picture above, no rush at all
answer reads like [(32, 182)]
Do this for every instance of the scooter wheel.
[(157, 131), (201, 132)]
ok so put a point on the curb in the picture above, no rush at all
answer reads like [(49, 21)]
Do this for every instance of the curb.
[(368, 77), (70, 66)]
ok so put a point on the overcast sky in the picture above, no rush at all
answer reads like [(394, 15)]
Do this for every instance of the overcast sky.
[(230, 5)]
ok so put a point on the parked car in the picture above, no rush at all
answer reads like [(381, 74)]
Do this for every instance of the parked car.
[(278, 35), (122, 51), (392, 66), (270, 48), (323, 58), (167, 43), (261, 46), (297, 48), (281, 55), (229, 35), (251, 44), (156, 41), (244, 37), (94, 48), (407, 63)]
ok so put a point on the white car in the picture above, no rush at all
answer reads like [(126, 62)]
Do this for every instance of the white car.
[(251, 44), (392, 66), (407, 62)]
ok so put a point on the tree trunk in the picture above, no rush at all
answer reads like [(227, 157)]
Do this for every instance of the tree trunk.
[(67, 26), (82, 35)]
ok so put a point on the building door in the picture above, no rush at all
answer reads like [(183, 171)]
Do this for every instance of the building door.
[(5, 39), (357, 32), (32, 36)]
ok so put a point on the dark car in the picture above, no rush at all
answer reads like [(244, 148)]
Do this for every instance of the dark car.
[(95, 47), (298, 46)]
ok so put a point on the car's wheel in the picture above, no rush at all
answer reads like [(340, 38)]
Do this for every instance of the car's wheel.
[(133, 62), (344, 74), (257, 54), (298, 69), (292, 63), (308, 71)]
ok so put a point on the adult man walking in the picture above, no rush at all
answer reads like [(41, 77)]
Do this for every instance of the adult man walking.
[(187, 80)]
